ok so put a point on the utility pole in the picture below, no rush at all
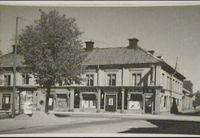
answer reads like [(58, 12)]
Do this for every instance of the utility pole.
[(14, 69)]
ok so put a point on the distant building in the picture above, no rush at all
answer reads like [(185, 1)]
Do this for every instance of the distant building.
[(122, 79), (187, 84), (188, 96)]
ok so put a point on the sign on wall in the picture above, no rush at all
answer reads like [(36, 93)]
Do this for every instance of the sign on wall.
[(50, 101), (110, 101), (134, 105)]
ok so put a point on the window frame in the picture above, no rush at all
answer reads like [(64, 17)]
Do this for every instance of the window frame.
[(136, 81), (110, 80), (7, 79), (88, 77), (25, 78)]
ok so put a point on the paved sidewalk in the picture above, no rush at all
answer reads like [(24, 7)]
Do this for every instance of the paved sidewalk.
[(192, 110), (40, 120)]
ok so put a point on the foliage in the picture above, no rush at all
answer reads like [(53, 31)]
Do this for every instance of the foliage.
[(52, 49), (197, 99)]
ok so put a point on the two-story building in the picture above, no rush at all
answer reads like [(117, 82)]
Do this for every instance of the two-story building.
[(122, 79), (25, 83)]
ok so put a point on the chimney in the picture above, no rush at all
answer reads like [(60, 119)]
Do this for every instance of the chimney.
[(151, 51), (89, 45), (14, 49), (160, 57), (133, 43)]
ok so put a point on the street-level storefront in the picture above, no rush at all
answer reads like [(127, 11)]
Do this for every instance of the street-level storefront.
[(108, 99), (22, 95)]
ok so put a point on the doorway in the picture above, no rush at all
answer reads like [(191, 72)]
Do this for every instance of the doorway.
[(111, 103), (148, 105), (6, 102)]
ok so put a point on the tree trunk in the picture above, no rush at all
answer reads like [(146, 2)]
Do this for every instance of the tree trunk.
[(47, 100)]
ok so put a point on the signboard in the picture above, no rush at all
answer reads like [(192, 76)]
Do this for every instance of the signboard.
[(134, 105), (110, 101), (50, 101), (7, 100)]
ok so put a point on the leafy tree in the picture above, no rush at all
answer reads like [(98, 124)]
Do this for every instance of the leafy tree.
[(52, 50), (197, 99)]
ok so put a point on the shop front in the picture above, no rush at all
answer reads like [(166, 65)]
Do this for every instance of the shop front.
[(135, 102), (88, 101)]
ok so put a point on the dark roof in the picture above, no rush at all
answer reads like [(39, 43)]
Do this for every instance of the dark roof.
[(98, 56), (104, 56), (119, 55), (7, 60)]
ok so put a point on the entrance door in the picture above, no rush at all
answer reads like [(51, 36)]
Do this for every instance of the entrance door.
[(6, 102), (111, 103), (148, 105)]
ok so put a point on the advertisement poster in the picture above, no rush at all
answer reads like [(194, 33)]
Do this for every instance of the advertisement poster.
[(110, 101), (134, 105)]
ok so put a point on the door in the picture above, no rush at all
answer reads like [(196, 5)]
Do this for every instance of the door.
[(148, 105), (111, 103), (6, 102), (51, 102)]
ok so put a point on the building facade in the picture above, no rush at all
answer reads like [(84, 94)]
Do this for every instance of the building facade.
[(123, 79)]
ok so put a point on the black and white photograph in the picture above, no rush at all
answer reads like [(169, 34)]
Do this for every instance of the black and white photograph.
[(99, 68)]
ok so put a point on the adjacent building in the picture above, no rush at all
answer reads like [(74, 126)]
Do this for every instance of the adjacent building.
[(122, 79)]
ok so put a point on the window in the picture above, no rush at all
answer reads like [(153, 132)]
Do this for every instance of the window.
[(25, 78), (176, 86), (136, 78), (7, 80), (90, 79), (165, 101), (89, 101), (163, 79), (112, 79)]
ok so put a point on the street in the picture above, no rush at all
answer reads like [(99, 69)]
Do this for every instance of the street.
[(138, 124)]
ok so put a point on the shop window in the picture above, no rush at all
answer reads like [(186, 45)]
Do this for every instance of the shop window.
[(89, 101), (136, 97), (7, 80), (62, 101), (25, 78), (111, 79), (136, 77), (136, 101), (90, 79)]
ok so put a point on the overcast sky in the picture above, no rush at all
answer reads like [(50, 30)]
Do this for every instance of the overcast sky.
[(170, 31)]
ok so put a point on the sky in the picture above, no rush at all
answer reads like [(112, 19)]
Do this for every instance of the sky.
[(172, 31)]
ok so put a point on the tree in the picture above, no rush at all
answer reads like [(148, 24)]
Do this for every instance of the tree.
[(52, 50), (196, 102)]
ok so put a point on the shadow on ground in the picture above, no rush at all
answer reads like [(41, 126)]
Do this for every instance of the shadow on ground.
[(169, 127)]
